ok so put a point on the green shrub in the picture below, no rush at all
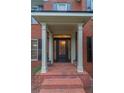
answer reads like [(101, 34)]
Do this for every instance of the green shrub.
[(35, 69)]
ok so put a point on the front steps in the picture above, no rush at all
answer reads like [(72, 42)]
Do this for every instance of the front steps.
[(80, 83), (78, 90), (62, 84), (62, 78)]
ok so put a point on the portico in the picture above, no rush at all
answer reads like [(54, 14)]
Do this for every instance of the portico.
[(65, 25)]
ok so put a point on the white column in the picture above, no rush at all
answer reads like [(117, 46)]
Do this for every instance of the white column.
[(73, 46), (51, 47), (80, 48), (44, 48)]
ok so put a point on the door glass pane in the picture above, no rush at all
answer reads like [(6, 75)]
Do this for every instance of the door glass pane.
[(62, 50)]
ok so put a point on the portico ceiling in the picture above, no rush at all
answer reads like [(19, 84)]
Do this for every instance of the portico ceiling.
[(62, 28), (62, 17), (62, 22)]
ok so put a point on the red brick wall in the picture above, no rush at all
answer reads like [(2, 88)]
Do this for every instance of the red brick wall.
[(76, 6), (88, 31), (35, 64), (83, 5), (35, 31), (35, 34)]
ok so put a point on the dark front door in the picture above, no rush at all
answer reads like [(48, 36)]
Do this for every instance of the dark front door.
[(62, 50)]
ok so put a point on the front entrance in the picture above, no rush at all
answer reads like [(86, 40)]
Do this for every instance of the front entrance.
[(62, 49)]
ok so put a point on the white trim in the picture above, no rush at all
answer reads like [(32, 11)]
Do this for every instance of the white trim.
[(63, 23), (37, 51), (61, 14)]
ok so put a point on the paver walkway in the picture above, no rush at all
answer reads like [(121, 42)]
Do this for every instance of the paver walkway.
[(62, 78)]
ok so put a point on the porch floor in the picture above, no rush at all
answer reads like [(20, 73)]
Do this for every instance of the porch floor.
[(62, 78), (61, 69)]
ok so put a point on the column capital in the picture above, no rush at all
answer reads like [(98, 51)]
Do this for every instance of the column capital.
[(80, 26), (43, 25)]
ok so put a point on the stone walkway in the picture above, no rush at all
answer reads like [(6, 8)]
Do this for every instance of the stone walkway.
[(62, 78)]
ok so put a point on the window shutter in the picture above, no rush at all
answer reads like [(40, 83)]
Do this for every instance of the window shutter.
[(89, 49), (39, 49)]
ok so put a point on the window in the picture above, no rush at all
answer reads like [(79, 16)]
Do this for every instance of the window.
[(61, 6), (37, 8), (45, 0), (89, 5), (89, 50), (34, 49)]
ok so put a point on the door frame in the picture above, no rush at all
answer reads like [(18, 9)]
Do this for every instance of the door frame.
[(55, 50)]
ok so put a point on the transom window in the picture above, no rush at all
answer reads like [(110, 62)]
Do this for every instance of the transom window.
[(61, 6), (34, 49)]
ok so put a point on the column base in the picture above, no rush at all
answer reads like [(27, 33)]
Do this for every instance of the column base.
[(43, 70), (52, 62), (80, 69), (72, 61)]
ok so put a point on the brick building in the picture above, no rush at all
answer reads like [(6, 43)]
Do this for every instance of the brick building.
[(62, 32)]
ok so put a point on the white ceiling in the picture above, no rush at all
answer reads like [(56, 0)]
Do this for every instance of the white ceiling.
[(61, 19), (62, 28)]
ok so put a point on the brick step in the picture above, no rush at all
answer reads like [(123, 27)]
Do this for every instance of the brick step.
[(59, 76), (87, 81), (62, 83), (61, 86), (78, 90)]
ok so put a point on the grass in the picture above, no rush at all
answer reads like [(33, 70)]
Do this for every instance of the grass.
[(36, 69)]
